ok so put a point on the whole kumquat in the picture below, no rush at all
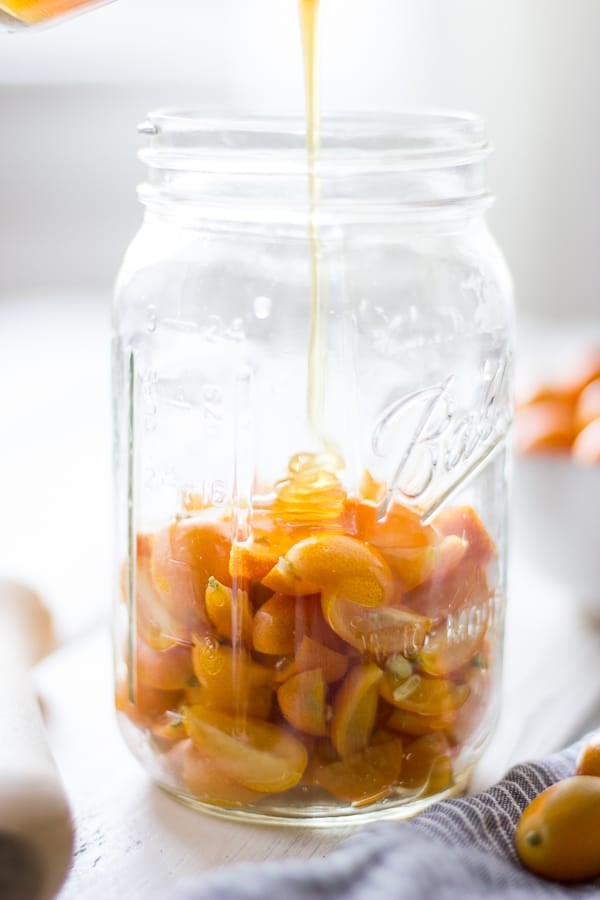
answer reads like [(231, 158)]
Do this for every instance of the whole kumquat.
[(588, 762), (558, 834)]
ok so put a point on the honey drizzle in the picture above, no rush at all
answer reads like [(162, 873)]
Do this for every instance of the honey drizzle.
[(312, 490), (309, 28)]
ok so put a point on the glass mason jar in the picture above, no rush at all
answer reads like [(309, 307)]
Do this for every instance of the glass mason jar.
[(311, 556)]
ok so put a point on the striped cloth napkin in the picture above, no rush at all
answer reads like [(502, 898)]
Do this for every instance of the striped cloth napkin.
[(456, 850)]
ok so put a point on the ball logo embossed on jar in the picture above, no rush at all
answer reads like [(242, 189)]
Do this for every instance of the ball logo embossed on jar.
[(434, 440)]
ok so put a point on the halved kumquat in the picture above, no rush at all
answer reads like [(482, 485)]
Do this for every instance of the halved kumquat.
[(167, 670), (311, 654), (185, 555), (229, 611), (427, 765), (258, 755), (365, 777), (302, 701), (204, 779), (231, 680), (379, 631), (456, 640), (337, 563), (146, 703), (355, 709), (463, 522), (423, 695)]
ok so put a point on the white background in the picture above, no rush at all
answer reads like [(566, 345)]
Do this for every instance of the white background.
[(70, 98)]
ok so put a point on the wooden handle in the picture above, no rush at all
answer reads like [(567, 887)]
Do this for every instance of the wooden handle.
[(36, 833)]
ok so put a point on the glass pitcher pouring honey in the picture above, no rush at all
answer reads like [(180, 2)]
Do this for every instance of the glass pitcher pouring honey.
[(18, 14)]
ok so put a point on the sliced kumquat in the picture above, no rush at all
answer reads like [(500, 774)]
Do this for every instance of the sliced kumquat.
[(186, 554), (323, 753), (144, 546), (229, 611), (313, 655), (155, 624), (214, 662), (283, 579), (168, 727), (148, 703), (451, 644), (312, 624), (359, 518), (231, 679), (253, 559), (427, 765), (337, 562), (452, 550), (463, 522), (275, 625), (379, 631), (302, 701), (204, 779), (412, 565), (423, 695), (355, 709), (167, 670), (382, 736), (414, 725), (472, 714), (365, 777), (447, 592), (255, 701), (194, 694), (258, 755), (402, 528), (335, 647)]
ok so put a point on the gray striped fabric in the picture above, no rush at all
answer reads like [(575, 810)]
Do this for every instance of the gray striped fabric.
[(457, 850)]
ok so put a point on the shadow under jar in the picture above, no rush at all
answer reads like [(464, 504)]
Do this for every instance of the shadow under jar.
[(310, 606)]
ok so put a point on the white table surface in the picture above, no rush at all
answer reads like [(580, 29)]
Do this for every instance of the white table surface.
[(132, 840)]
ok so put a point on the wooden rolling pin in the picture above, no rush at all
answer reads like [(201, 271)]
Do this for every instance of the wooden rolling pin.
[(36, 832)]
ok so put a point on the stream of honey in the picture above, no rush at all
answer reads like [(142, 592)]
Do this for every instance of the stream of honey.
[(309, 27), (312, 487)]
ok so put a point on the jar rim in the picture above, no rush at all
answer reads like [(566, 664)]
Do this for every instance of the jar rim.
[(349, 144)]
